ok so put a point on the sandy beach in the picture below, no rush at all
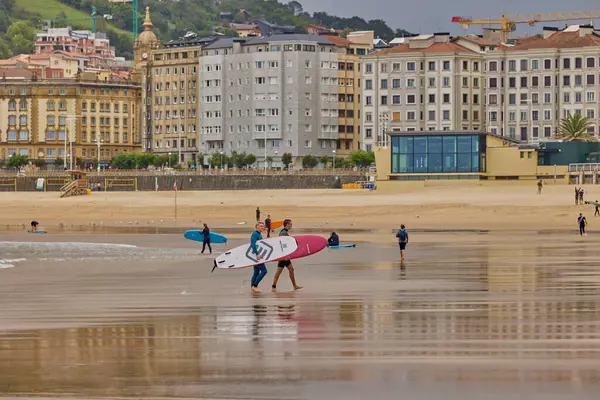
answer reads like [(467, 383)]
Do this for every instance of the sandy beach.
[(445, 208), (498, 298)]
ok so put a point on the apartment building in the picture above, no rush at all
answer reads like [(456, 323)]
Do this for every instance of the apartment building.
[(533, 84), (520, 90), (268, 96), (95, 47), (39, 118), (430, 83), (349, 107), (174, 95)]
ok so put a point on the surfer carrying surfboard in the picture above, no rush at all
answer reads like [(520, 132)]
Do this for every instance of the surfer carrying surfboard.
[(260, 270), (206, 239), (287, 225)]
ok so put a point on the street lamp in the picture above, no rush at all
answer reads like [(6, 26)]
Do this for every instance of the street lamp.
[(70, 118), (98, 143), (169, 160), (276, 154), (221, 160), (333, 161)]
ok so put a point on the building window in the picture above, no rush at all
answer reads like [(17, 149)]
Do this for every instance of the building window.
[(435, 154)]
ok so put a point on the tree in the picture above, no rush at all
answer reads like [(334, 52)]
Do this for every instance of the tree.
[(287, 159), (38, 162), (324, 160), (217, 160), (362, 158), (17, 161), (309, 162), (270, 161), (295, 7), (20, 35), (59, 161), (574, 128), (5, 51)]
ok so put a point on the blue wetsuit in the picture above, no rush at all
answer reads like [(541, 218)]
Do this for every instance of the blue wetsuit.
[(259, 270)]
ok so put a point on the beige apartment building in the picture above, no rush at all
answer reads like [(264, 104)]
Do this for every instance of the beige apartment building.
[(429, 83), (519, 90), (43, 119), (349, 56)]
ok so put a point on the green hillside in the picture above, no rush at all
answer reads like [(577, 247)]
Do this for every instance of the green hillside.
[(171, 19), (49, 9)]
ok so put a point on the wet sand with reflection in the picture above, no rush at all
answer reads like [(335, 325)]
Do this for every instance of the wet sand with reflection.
[(482, 317)]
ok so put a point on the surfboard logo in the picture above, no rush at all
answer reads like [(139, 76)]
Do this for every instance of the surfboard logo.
[(264, 249)]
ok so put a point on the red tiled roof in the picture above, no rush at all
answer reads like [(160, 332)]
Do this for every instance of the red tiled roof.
[(479, 40), (340, 41), (558, 40), (448, 47)]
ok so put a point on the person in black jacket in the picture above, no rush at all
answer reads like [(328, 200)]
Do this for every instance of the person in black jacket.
[(206, 239), (334, 240)]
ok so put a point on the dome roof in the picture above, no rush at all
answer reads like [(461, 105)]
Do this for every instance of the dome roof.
[(147, 37)]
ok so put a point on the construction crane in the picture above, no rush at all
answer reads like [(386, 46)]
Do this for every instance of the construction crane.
[(92, 17), (508, 22)]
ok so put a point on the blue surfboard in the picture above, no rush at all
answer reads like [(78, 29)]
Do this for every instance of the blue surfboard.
[(196, 235), (342, 246)]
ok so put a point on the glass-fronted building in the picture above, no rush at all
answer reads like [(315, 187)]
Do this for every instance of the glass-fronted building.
[(437, 155)]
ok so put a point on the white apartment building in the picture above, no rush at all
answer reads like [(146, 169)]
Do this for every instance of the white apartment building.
[(269, 96), (520, 90)]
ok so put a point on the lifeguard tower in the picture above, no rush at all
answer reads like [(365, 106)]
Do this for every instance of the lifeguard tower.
[(77, 186)]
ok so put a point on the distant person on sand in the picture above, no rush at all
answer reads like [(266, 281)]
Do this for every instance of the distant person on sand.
[(206, 239), (334, 240), (597, 212), (540, 186), (576, 195), (582, 223), (402, 236), (260, 270), (287, 225), (268, 225), (34, 225), (581, 196), (257, 214)]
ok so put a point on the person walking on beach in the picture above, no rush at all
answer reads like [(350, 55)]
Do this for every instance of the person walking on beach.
[(581, 196), (206, 239), (257, 214), (540, 186), (582, 223), (402, 236), (34, 225), (597, 212), (287, 225), (260, 270), (268, 225), (576, 195)]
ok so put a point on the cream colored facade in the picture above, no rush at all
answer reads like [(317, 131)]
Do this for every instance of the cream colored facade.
[(174, 76), (430, 83), (38, 118), (520, 90)]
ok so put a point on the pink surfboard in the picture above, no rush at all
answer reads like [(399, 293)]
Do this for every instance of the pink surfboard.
[(307, 246)]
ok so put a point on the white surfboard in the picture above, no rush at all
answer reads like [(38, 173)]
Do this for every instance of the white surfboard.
[(272, 249)]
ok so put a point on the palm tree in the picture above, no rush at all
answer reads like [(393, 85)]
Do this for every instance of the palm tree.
[(574, 128)]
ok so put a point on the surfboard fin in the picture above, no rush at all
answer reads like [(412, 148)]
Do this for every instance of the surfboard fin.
[(215, 266)]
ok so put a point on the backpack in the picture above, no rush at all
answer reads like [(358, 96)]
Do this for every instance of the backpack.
[(403, 235)]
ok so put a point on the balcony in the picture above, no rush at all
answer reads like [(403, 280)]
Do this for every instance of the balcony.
[(327, 135), (270, 135)]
